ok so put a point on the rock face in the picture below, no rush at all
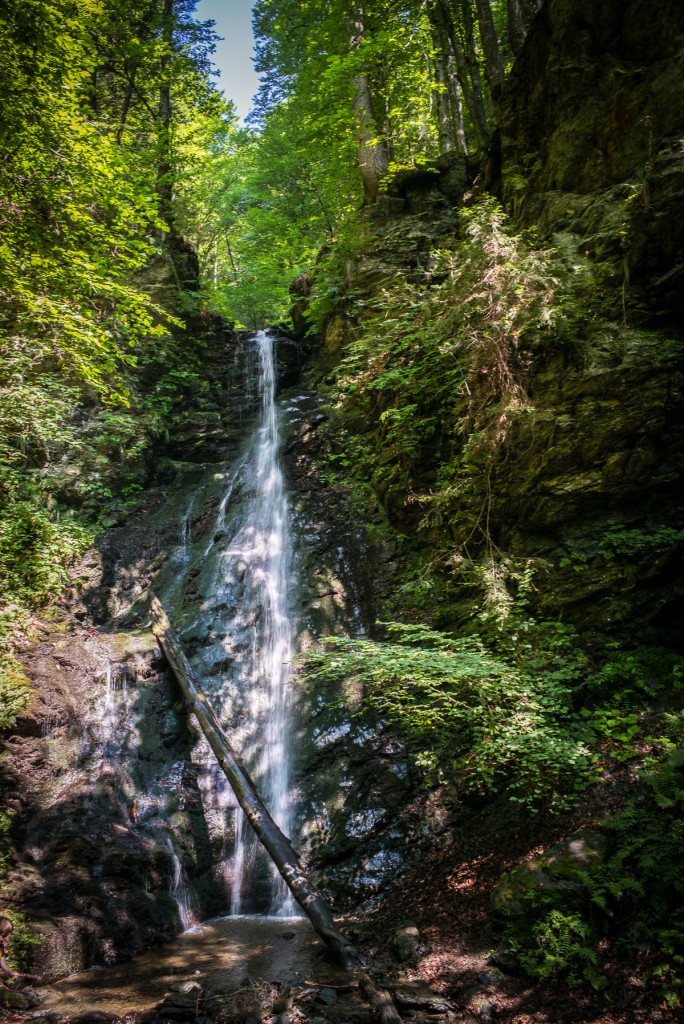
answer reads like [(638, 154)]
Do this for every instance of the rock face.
[(107, 809), (593, 117), (124, 836), (89, 874), (592, 130), (586, 488)]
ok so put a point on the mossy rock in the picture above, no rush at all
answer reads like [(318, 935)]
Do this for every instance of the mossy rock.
[(564, 870)]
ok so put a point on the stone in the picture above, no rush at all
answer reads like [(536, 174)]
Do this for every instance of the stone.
[(95, 1017), (187, 987), (405, 942), (418, 996), (13, 999), (563, 868), (327, 996)]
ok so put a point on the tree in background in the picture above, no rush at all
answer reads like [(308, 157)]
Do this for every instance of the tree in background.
[(350, 92), (97, 100)]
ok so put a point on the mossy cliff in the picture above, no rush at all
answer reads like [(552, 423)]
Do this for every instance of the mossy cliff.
[(501, 377), (512, 401)]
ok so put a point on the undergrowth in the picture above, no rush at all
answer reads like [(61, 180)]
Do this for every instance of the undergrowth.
[(634, 896), (434, 372), (471, 714)]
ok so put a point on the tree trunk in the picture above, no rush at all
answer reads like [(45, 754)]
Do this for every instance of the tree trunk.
[(277, 845), (490, 45), (372, 151), (516, 26), (472, 61), (447, 98), (164, 166), (126, 106), (456, 107), (442, 13)]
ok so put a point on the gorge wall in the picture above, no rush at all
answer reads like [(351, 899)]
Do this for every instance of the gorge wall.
[(582, 490), (584, 487)]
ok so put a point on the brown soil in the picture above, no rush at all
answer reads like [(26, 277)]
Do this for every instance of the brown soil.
[(462, 955)]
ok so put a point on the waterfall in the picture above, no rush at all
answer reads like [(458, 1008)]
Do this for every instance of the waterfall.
[(246, 661), (263, 546), (179, 890)]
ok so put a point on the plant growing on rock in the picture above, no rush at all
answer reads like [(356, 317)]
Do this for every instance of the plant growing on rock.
[(469, 714)]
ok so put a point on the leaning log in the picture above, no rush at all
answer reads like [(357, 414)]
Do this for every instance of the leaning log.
[(274, 841)]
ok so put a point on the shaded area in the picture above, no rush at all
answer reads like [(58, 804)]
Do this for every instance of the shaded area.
[(223, 953)]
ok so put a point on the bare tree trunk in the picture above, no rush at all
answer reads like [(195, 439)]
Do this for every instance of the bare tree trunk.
[(126, 106), (442, 12), (164, 166), (447, 97), (277, 845), (472, 61), (490, 45), (445, 128), (456, 107), (516, 26), (372, 151)]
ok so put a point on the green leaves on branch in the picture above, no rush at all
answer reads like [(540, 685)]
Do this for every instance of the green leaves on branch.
[(468, 715)]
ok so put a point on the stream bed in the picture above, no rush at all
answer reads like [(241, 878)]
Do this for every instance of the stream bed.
[(220, 956)]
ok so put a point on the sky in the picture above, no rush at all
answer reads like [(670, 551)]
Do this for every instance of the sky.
[(234, 54)]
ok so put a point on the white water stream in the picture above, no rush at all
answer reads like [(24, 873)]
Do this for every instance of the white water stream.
[(250, 580), (238, 634)]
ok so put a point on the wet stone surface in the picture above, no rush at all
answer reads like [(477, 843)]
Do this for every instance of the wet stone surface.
[(128, 829)]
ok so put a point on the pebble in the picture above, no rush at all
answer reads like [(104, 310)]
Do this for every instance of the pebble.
[(328, 996)]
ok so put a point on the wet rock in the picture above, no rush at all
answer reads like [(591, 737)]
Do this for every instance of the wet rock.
[(328, 996), (419, 997), (405, 942), (188, 987), (180, 1007), (94, 1017)]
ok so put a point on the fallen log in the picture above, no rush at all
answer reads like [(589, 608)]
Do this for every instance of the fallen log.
[(274, 841)]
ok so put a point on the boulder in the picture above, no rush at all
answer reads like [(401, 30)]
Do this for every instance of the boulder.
[(563, 869)]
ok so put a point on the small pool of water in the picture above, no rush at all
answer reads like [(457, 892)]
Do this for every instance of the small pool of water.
[(220, 954)]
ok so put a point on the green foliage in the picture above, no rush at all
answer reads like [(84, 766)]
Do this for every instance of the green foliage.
[(627, 543), (35, 551), (559, 943), (434, 374), (633, 897), (14, 686), (468, 713), (6, 847), (24, 939), (87, 159)]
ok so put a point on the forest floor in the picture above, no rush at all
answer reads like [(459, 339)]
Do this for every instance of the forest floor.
[(461, 954), (458, 971)]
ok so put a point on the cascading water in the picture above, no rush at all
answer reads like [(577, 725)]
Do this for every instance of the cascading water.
[(245, 661), (227, 583), (179, 890)]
